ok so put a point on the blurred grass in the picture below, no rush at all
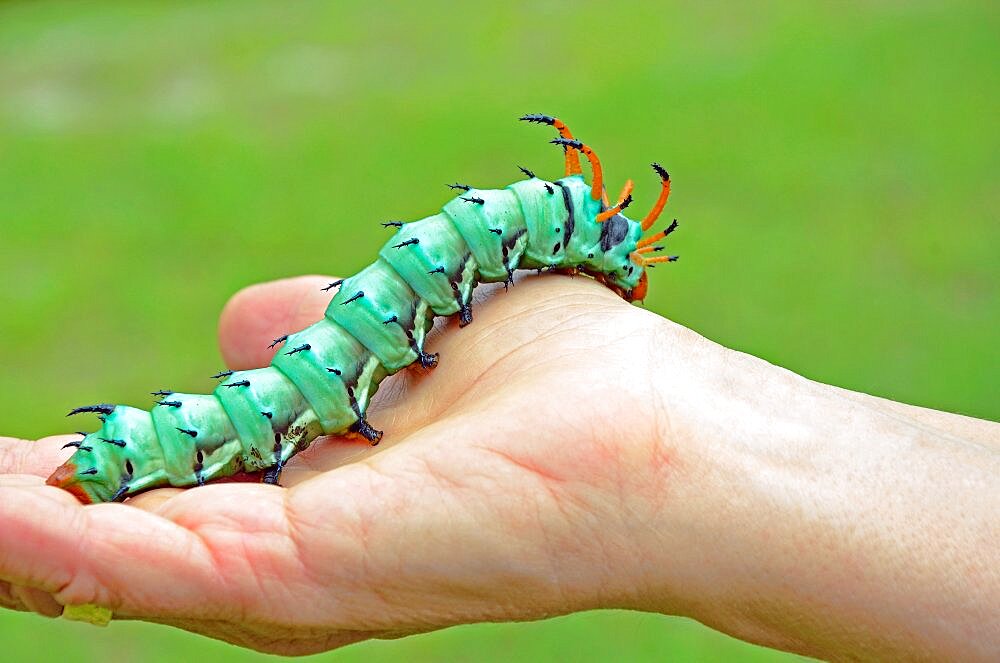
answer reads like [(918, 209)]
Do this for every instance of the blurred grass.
[(835, 169)]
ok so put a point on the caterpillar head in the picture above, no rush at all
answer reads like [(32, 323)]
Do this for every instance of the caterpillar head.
[(623, 254)]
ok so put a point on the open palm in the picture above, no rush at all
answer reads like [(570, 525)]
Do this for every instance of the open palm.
[(511, 484)]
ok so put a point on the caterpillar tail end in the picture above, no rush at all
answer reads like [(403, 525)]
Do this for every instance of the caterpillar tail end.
[(65, 477)]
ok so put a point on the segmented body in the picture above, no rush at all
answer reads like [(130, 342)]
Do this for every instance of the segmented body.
[(322, 379)]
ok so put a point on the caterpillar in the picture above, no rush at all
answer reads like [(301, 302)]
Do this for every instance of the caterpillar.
[(323, 377)]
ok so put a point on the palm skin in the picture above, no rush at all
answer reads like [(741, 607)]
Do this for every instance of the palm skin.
[(514, 482)]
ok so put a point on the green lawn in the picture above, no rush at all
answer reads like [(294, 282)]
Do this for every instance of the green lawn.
[(835, 174)]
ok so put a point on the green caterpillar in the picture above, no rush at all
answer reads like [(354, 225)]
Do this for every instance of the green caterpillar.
[(321, 380)]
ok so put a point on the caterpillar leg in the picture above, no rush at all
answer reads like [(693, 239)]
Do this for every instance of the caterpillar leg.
[(272, 474), (572, 157)]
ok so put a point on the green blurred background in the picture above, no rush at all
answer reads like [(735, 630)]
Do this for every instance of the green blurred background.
[(835, 173)]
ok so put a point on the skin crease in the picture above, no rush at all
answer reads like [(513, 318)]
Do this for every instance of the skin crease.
[(571, 451)]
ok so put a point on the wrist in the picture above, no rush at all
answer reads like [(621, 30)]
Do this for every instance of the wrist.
[(796, 517)]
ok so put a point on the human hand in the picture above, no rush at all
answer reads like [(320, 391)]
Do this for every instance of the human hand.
[(570, 451), (513, 483)]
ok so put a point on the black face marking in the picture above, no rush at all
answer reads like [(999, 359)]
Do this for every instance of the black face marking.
[(128, 467), (223, 374), (102, 408), (301, 348), (277, 440), (117, 443), (280, 339), (356, 296), (613, 232), (92, 470), (555, 249), (241, 383), (332, 285), (570, 213)]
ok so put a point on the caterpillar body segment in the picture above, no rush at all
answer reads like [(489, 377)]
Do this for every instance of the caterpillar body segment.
[(322, 378)]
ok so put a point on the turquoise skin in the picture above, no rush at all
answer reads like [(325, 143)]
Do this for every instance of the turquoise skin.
[(322, 379)]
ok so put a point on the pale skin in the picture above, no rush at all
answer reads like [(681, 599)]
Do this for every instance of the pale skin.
[(571, 451)]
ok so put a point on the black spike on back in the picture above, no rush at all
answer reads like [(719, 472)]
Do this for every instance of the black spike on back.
[(117, 443), (458, 187), (549, 189), (527, 173), (301, 348), (409, 242), (241, 383), (74, 443), (169, 403), (92, 470), (101, 408), (334, 284), (186, 431), (356, 296), (335, 371), (280, 339), (438, 270), (222, 374), (161, 392), (661, 171), (392, 224), (474, 200), (539, 118)]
